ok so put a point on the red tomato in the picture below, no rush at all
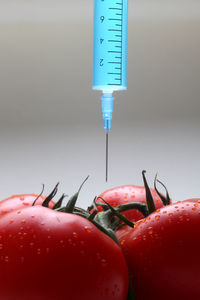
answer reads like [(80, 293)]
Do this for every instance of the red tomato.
[(50, 255), (127, 194), (162, 253), (20, 201), (197, 200)]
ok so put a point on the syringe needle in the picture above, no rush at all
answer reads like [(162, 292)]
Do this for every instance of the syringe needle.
[(106, 156)]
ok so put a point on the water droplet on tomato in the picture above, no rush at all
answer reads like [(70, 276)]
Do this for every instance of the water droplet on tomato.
[(31, 244), (82, 243), (6, 259), (11, 221), (26, 203), (47, 250), (61, 241), (3, 212), (22, 259), (1, 246), (157, 217), (150, 231), (194, 208), (170, 214), (23, 222), (196, 205), (164, 212), (21, 198), (103, 262), (144, 238), (82, 252), (88, 229), (38, 251), (75, 235), (122, 242)]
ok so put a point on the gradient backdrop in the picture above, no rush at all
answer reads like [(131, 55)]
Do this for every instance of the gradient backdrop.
[(50, 119)]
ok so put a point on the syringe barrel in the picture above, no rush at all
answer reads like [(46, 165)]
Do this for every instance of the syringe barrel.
[(110, 45)]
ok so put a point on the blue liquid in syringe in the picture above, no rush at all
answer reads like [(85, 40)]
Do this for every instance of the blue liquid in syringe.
[(110, 52)]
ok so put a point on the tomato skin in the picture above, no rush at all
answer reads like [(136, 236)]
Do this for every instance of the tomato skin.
[(50, 255), (20, 201), (196, 200), (162, 253)]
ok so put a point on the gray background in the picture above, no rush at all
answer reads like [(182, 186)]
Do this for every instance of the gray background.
[(50, 119)]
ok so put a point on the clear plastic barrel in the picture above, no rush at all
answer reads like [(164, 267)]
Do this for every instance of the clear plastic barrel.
[(110, 45)]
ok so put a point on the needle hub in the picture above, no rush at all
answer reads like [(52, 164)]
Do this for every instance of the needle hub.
[(107, 110)]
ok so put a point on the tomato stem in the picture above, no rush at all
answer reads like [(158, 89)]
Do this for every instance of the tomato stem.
[(117, 213), (134, 205), (38, 195), (165, 200), (59, 202), (50, 197), (72, 201), (149, 198)]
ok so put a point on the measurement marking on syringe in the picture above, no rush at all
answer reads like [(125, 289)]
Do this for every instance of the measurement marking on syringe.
[(114, 30), (118, 41), (115, 73), (114, 51), (118, 46), (121, 43), (115, 20), (114, 62), (117, 35), (118, 14), (114, 83), (117, 56), (119, 3), (115, 8)]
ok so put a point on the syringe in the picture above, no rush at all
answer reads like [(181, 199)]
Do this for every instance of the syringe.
[(109, 55)]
